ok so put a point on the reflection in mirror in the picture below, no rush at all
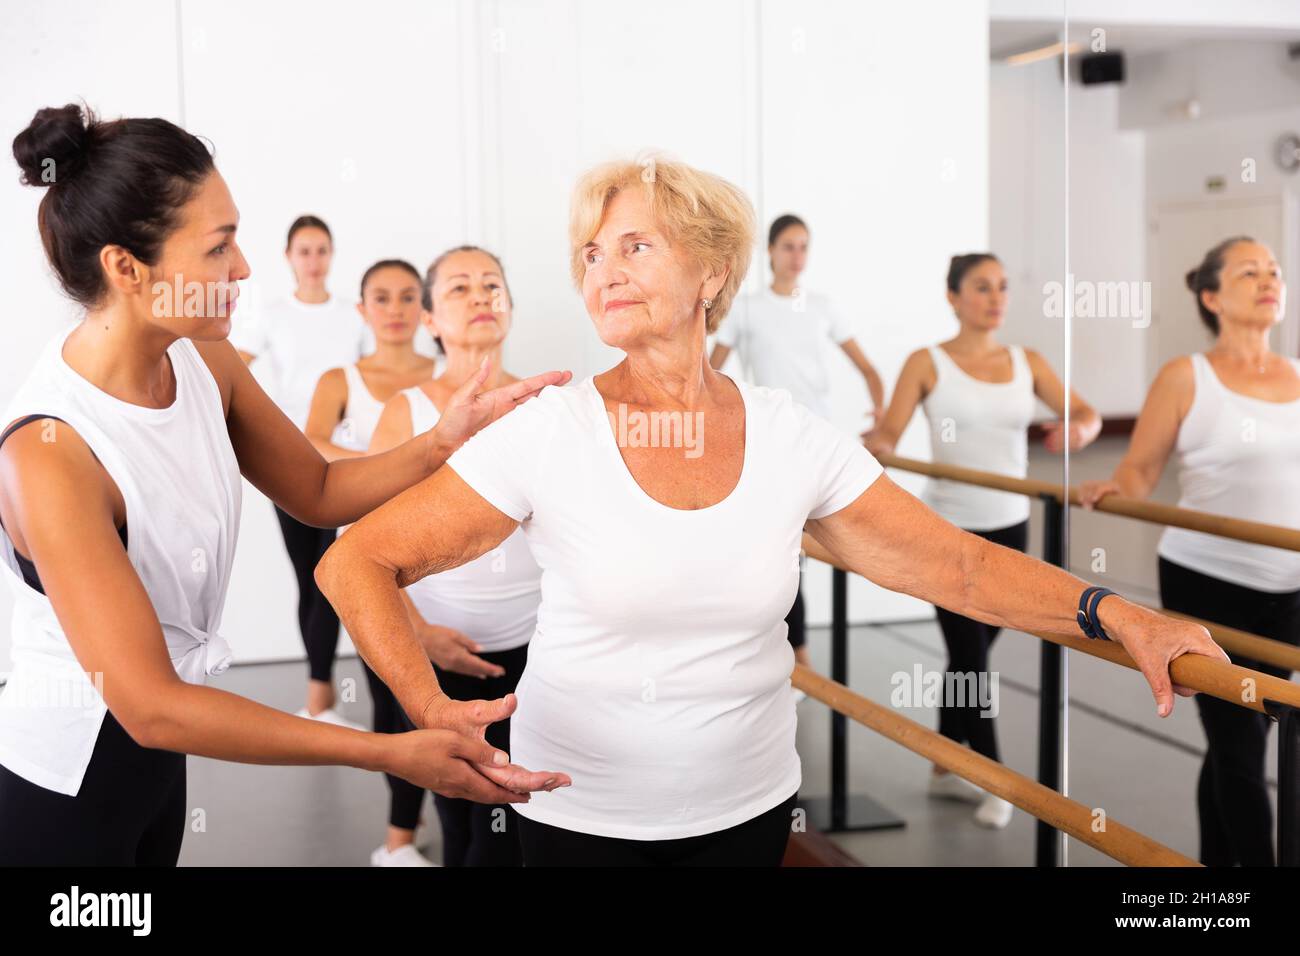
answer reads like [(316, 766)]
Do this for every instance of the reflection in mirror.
[(1183, 131), (1028, 219)]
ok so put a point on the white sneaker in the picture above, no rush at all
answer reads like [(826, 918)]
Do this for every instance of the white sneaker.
[(994, 812), (406, 855), (330, 716), (949, 786)]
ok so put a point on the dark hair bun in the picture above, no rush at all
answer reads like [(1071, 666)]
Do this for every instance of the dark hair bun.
[(53, 145), (1191, 278)]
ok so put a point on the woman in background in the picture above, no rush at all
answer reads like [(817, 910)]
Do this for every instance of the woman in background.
[(301, 337), (344, 412), (348, 401), (781, 335), (474, 621), (1232, 415), (979, 397)]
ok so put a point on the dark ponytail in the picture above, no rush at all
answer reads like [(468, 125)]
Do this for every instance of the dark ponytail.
[(958, 266), (121, 183), (393, 264), (1205, 278), (780, 224), (308, 222)]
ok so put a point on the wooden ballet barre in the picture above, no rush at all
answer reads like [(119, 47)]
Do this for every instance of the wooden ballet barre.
[(1201, 673), (1254, 532), (1117, 841), (1266, 650)]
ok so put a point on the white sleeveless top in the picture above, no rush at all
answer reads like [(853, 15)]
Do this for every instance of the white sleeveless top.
[(1237, 456), (492, 599), (360, 416), (982, 425), (180, 481)]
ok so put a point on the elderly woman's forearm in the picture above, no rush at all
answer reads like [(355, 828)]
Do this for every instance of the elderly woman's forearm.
[(1006, 588), (369, 603)]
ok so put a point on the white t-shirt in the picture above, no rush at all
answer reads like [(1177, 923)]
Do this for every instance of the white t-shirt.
[(299, 343), (492, 599), (782, 340), (659, 675)]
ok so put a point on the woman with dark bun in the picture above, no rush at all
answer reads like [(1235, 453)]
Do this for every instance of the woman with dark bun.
[(980, 397), (120, 494), (781, 334), (1232, 415)]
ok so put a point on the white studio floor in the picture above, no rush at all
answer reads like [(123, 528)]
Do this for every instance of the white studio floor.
[(1122, 758)]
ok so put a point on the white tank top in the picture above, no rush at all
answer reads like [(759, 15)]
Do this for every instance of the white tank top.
[(180, 481), (360, 416), (1237, 456), (492, 599), (982, 425)]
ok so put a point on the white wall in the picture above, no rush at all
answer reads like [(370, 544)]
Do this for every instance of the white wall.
[(410, 126), (55, 53), (1183, 157), (1107, 222), (1205, 14), (874, 129), (1226, 78)]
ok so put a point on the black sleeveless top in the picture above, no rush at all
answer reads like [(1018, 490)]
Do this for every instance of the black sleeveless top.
[(25, 564)]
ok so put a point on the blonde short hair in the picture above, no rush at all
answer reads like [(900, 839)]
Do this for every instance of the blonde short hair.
[(706, 215)]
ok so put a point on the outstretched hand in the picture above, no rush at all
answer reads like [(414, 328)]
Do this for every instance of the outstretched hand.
[(472, 407)]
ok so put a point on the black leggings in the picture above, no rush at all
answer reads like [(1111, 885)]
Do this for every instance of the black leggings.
[(129, 811), (968, 643), (482, 834), (316, 618), (404, 797), (759, 841), (1236, 820)]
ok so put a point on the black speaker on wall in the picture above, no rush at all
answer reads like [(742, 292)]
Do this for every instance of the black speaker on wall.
[(1101, 68)]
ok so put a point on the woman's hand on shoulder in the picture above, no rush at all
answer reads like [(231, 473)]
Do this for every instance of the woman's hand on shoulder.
[(472, 407)]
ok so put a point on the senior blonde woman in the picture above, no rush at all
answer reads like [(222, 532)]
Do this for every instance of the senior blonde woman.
[(658, 681)]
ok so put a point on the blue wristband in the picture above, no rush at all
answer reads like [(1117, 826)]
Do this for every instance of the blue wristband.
[(1087, 616)]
